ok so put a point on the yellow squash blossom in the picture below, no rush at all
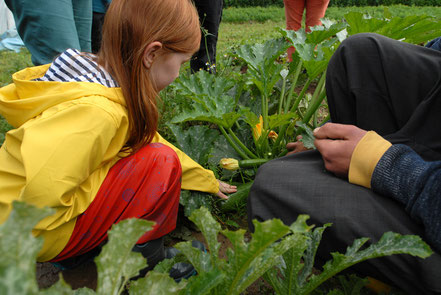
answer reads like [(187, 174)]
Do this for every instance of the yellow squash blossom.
[(229, 163), (273, 135), (257, 130)]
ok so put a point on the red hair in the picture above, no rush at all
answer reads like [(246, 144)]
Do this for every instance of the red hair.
[(131, 25)]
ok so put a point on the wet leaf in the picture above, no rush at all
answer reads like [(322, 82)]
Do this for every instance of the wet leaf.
[(19, 249), (117, 263), (156, 284), (197, 141)]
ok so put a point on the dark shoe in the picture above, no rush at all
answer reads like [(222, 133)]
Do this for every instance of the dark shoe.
[(182, 270), (74, 262), (153, 251)]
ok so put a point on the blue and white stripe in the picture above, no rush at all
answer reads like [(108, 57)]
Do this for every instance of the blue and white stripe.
[(74, 66)]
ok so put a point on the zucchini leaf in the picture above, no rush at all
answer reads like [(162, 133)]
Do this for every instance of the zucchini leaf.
[(210, 100), (197, 141), (19, 249), (156, 284), (238, 199), (118, 252), (414, 29), (307, 135)]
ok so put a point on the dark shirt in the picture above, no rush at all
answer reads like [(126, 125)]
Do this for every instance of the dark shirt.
[(404, 176)]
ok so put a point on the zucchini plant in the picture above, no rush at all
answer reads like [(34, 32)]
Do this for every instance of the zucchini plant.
[(272, 102), (245, 261)]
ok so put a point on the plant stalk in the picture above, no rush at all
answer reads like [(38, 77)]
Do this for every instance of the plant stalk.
[(300, 97), (317, 98), (293, 85), (233, 145), (241, 145), (282, 95)]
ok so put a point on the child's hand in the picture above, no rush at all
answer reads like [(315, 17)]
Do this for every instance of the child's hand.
[(225, 188)]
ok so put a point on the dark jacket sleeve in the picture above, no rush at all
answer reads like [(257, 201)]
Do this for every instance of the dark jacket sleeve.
[(404, 176)]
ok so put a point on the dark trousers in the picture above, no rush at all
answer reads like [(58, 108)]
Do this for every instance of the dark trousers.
[(97, 30), (377, 84), (210, 15)]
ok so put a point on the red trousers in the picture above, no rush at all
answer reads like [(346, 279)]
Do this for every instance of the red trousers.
[(315, 10), (144, 185)]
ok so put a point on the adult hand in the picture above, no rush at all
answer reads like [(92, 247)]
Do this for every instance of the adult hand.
[(225, 188), (296, 147), (336, 143)]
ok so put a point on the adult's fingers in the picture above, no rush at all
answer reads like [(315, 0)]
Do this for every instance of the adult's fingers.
[(335, 131)]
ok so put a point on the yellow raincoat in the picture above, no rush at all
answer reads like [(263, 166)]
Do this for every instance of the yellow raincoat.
[(67, 136)]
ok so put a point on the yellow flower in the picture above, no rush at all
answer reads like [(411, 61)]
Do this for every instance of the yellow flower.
[(257, 130), (229, 163), (273, 135)]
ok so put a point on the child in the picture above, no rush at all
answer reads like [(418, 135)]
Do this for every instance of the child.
[(86, 141)]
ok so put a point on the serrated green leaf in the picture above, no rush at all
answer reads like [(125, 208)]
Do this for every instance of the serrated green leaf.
[(118, 251), (238, 199), (249, 261), (197, 141), (199, 259), (192, 200), (307, 135), (13, 281), (17, 266), (156, 284), (319, 34), (390, 243), (222, 149), (204, 283), (278, 120), (412, 29), (358, 23), (249, 117), (289, 269), (300, 226), (210, 100), (261, 56), (209, 228), (309, 255)]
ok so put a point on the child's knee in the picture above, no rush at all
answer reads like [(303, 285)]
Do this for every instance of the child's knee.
[(160, 158)]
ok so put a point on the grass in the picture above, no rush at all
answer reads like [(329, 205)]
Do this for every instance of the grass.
[(239, 26)]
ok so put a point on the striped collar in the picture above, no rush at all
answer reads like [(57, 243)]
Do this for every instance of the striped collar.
[(74, 66)]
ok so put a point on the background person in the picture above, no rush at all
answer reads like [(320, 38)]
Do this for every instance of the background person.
[(210, 16), (314, 11), (47, 28), (99, 8), (393, 89)]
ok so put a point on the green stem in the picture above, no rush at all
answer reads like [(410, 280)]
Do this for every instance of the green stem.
[(317, 98), (282, 95), (233, 145), (265, 111), (302, 93), (241, 145), (293, 85), (279, 139)]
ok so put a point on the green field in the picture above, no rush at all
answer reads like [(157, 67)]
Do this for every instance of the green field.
[(239, 26)]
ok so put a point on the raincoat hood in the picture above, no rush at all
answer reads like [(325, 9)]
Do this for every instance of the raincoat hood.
[(25, 99)]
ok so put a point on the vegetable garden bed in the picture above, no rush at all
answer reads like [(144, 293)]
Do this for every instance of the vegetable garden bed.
[(248, 111)]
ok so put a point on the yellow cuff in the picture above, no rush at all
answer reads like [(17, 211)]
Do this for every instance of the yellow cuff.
[(365, 157)]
